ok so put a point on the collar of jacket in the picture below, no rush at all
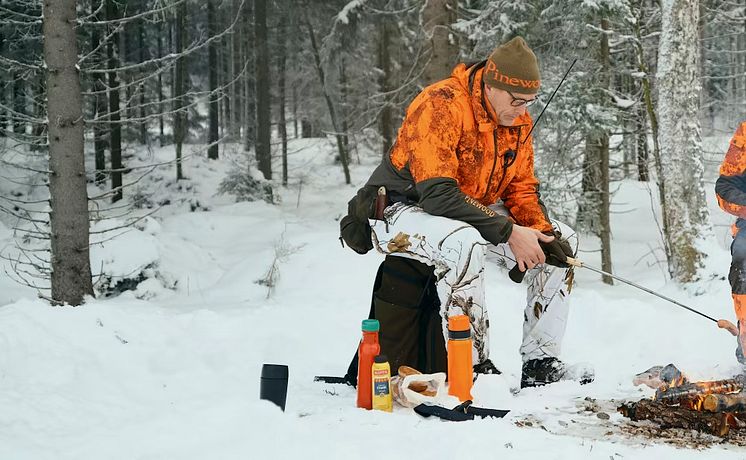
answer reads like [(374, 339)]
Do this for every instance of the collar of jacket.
[(471, 78)]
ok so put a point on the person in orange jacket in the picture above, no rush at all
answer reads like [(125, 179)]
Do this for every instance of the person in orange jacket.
[(730, 189), (461, 175)]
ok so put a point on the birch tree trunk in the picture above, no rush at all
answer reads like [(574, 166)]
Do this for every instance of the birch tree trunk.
[(71, 267), (686, 216)]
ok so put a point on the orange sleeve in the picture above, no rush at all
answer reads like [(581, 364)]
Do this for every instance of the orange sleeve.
[(735, 161)]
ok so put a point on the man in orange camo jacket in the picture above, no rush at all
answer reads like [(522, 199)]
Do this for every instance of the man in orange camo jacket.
[(731, 194)]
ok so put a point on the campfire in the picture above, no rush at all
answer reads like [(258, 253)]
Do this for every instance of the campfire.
[(713, 407)]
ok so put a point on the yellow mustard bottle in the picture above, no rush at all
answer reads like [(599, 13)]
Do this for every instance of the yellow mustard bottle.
[(381, 387)]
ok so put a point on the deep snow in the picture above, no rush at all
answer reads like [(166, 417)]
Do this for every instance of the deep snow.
[(171, 370)]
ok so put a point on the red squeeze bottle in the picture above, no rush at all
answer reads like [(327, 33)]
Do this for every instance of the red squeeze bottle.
[(366, 353), (459, 358)]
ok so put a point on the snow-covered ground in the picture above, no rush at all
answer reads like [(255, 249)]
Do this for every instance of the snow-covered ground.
[(171, 369)]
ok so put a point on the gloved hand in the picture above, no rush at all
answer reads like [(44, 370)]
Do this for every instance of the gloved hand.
[(557, 250)]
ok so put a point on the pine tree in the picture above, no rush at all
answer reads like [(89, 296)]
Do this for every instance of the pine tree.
[(441, 49), (114, 115), (262, 90), (212, 139), (70, 262)]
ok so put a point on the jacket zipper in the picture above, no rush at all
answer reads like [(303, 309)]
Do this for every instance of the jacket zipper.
[(494, 164), (495, 149), (505, 163)]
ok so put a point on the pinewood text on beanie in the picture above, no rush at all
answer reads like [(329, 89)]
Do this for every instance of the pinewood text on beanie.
[(513, 67)]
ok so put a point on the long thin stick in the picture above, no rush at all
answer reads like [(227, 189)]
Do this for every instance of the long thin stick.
[(550, 100), (577, 263)]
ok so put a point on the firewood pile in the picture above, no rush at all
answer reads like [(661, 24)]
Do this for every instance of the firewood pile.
[(713, 407)]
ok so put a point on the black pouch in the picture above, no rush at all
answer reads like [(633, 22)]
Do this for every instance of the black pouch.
[(405, 302), (354, 228)]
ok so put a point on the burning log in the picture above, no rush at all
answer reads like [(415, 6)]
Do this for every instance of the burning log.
[(712, 407), (692, 389), (725, 403), (717, 423)]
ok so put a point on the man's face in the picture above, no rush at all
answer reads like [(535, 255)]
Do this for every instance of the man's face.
[(507, 107)]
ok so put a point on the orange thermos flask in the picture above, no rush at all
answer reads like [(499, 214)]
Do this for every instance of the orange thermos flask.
[(459, 357), (366, 353)]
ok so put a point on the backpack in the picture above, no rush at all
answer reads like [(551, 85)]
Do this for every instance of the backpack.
[(405, 302)]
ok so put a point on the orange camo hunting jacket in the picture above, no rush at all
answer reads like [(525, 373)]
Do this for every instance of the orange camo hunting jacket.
[(730, 187), (448, 133)]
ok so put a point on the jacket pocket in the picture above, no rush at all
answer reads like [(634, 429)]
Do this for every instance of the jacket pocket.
[(356, 234)]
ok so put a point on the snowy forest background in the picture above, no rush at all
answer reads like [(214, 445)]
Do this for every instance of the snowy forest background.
[(247, 76), (172, 158)]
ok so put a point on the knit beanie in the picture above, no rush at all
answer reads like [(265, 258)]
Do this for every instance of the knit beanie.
[(513, 67)]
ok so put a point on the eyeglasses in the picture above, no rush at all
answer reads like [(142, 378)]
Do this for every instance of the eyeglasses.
[(518, 101)]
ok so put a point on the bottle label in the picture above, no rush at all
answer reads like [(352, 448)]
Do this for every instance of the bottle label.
[(381, 387)]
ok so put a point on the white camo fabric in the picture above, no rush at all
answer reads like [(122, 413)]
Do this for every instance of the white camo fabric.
[(458, 252)]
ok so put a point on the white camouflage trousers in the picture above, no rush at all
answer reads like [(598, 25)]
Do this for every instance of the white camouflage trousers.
[(458, 252)]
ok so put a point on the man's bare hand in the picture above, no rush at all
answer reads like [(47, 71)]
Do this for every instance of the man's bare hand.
[(524, 242)]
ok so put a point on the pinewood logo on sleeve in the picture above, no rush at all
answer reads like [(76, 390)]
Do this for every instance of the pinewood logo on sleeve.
[(480, 206), (496, 75)]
